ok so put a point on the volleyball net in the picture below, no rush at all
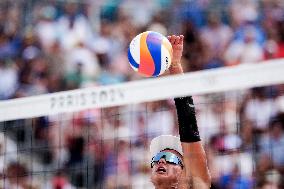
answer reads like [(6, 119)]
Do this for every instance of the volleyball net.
[(98, 137)]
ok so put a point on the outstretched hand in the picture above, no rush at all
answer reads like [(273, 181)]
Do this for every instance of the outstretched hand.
[(177, 44)]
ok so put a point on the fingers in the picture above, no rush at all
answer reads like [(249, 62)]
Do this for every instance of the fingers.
[(181, 39), (176, 40)]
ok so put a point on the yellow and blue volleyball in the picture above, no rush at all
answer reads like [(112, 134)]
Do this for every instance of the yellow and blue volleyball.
[(150, 53)]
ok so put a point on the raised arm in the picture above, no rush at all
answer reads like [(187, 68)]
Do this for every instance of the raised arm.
[(196, 169)]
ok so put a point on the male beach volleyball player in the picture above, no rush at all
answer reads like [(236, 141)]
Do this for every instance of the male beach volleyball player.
[(180, 162)]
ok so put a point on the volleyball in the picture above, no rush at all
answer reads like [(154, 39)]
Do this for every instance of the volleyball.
[(150, 54)]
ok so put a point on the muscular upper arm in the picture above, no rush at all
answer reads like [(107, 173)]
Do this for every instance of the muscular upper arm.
[(196, 165)]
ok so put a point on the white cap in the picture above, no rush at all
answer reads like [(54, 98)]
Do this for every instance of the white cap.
[(163, 142)]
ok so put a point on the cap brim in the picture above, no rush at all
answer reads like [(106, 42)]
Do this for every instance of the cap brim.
[(163, 142)]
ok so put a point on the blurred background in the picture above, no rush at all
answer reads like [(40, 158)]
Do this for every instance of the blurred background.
[(48, 46)]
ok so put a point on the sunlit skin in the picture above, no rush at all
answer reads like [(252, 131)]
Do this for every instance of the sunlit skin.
[(173, 174), (195, 173), (170, 177)]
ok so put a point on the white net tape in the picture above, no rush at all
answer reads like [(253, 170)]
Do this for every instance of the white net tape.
[(197, 83)]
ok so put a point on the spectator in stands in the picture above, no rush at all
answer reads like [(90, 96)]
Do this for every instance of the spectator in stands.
[(194, 49), (243, 11), (234, 180), (280, 42), (157, 115), (8, 79), (6, 47), (259, 101), (74, 27), (17, 176), (84, 62), (60, 181), (216, 37), (244, 51), (272, 144), (46, 27), (266, 175)]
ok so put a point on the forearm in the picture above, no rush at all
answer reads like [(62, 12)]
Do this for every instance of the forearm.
[(194, 154)]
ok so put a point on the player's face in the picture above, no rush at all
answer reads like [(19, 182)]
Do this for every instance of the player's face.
[(165, 172)]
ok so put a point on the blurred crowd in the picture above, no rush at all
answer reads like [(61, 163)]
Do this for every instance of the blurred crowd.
[(53, 46), (50, 46)]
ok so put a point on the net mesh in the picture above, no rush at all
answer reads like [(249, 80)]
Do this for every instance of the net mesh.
[(98, 137), (108, 147)]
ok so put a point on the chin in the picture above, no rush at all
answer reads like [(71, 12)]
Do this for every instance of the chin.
[(163, 181), (159, 178)]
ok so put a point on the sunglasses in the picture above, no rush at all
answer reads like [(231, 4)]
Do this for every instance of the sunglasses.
[(168, 157)]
